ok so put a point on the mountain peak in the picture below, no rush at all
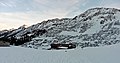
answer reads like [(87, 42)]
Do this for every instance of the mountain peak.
[(97, 11)]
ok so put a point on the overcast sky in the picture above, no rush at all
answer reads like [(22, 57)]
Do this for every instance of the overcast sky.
[(14, 13)]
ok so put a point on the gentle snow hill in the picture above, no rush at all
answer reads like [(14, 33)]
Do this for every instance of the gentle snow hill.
[(106, 54)]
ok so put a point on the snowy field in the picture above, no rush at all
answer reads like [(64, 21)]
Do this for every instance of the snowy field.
[(107, 54)]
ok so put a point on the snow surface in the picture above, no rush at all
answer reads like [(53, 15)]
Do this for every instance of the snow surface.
[(94, 29), (107, 54), (69, 33)]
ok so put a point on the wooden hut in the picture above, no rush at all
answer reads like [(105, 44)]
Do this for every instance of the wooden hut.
[(62, 46)]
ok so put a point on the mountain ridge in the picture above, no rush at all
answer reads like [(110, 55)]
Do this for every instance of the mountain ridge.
[(95, 27)]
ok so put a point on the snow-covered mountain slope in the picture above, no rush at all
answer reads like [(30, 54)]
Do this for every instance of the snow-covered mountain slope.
[(95, 27), (107, 54)]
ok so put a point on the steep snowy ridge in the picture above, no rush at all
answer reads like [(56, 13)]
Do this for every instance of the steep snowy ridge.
[(95, 27)]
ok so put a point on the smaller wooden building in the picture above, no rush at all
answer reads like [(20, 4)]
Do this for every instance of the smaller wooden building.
[(4, 44)]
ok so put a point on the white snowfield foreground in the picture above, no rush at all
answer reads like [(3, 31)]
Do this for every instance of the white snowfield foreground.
[(107, 54)]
